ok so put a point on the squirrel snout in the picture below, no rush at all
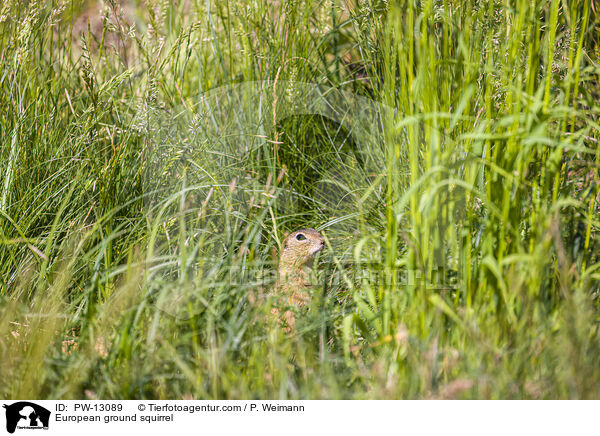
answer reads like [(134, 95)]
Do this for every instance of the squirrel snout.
[(319, 247)]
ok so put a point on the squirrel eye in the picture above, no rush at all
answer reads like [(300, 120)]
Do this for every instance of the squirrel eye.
[(300, 237)]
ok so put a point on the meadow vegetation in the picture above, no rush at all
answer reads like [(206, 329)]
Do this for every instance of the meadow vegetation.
[(154, 154)]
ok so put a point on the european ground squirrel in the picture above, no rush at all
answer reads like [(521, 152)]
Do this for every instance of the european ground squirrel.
[(295, 265)]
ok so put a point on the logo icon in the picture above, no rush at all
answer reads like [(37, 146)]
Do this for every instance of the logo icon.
[(26, 415)]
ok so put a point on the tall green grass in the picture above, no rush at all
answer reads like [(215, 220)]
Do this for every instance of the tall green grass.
[(143, 199)]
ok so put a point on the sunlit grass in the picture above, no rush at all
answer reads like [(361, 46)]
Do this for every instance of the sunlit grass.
[(145, 191)]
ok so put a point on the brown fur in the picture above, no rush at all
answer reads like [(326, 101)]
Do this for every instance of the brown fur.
[(295, 266)]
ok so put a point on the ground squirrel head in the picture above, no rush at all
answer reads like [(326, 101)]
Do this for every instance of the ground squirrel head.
[(299, 249)]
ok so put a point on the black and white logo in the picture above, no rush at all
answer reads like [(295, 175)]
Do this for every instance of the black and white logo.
[(26, 415)]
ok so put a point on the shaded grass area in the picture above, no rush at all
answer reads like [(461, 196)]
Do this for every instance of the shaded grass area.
[(144, 195)]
